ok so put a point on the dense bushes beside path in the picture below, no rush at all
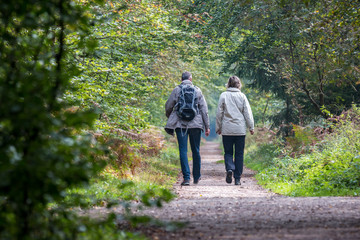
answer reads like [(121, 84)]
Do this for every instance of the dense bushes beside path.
[(311, 163)]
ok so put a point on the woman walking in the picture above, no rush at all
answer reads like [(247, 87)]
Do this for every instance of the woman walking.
[(233, 117)]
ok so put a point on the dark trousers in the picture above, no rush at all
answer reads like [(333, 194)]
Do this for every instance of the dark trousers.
[(234, 163), (194, 135)]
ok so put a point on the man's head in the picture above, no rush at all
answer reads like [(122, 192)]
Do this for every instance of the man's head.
[(186, 76)]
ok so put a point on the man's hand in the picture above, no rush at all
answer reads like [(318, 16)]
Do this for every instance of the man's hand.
[(207, 132), (218, 132), (252, 132)]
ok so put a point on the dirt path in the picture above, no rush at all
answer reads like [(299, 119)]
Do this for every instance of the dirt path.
[(217, 210)]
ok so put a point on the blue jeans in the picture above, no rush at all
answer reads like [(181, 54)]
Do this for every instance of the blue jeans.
[(194, 134), (231, 163)]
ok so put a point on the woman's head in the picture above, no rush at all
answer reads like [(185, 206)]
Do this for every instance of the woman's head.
[(234, 82)]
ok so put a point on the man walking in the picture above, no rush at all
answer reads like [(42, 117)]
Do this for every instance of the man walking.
[(187, 114)]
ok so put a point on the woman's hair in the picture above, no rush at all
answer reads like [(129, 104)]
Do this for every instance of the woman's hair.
[(234, 82)]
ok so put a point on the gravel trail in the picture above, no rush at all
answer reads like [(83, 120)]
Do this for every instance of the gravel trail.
[(214, 209)]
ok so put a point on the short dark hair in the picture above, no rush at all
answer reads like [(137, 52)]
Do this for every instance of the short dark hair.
[(185, 76), (234, 82)]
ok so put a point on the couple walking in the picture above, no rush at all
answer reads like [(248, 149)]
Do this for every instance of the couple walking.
[(187, 114)]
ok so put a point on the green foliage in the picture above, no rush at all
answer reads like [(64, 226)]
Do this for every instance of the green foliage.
[(45, 148), (108, 189), (150, 186), (60, 60), (43, 145), (119, 77), (331, 168), (262, 156), (155, 179), (263, 105), (143, 47), (304, 52), (106, 229), (302, 139)]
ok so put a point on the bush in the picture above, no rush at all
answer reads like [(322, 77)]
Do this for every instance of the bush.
[(156, 174), (261, 149), (302, 140), (261, 156), (332, 167)]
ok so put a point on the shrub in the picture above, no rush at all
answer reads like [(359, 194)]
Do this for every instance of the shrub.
[(261, 156), (302, 140), (331, 167)]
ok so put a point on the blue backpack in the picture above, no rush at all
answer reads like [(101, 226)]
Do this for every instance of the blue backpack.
[(187, 105)]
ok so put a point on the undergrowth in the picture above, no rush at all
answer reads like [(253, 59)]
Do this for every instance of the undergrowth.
[(139, 174), (310, 164), (134, 170)]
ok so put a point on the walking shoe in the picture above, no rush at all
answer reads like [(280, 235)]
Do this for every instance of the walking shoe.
[(237, 182), (196, 181), (186, 182), (229, 176)]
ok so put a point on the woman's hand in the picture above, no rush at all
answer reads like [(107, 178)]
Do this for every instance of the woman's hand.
[(218, 132), (252, 132)]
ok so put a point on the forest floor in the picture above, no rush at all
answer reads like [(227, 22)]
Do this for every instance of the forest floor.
[(214, 209)]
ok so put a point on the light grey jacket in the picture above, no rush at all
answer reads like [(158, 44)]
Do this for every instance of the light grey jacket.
[(201, 120), (233, 114)]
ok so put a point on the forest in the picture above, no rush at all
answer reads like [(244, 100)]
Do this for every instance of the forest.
[(83, 86)]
